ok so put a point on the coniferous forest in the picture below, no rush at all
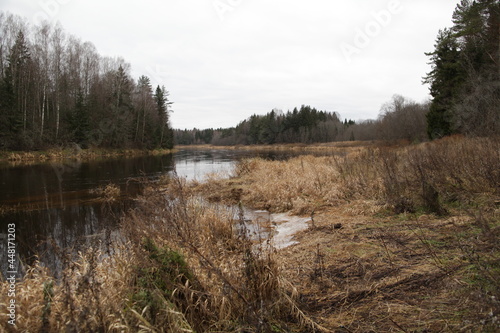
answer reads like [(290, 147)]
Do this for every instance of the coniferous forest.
[(56, 90)]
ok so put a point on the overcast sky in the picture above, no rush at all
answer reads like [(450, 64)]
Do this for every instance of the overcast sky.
[(224, 60)]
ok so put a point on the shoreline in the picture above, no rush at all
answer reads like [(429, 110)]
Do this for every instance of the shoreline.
[(72, 153), (294, 146), (379, 251)]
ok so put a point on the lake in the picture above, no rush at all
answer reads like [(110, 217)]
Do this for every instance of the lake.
[(54, 206)]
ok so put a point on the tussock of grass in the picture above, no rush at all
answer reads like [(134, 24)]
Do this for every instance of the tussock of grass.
[(108, 193)]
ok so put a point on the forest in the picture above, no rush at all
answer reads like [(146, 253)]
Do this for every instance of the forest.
[(464, 84), (401, 118), (56, 90)]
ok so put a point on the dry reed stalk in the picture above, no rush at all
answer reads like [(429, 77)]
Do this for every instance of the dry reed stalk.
[(406, 178)]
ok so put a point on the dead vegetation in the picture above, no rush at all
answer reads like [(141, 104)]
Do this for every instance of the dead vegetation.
[(56, 154), (179, 265), (402, 240), (405, 178), (107, 193)]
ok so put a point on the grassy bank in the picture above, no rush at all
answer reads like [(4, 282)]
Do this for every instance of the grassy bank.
[(408, 179), (301, 147), (402, 239), (84, 154)]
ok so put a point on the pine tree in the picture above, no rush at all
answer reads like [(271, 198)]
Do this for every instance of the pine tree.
[(80, 122), (446, 79), (164, 132), (15, 89)]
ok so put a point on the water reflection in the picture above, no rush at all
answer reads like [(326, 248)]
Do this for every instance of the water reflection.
[(53, 205)]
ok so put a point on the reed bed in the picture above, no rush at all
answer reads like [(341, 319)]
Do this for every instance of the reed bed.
[(406, 179), (26, 157)]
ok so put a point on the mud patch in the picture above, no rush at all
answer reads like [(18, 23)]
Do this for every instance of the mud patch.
[(279, 229)]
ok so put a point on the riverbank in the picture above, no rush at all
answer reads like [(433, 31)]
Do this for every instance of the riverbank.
[(75, 153), (399, 239), (328, 146)]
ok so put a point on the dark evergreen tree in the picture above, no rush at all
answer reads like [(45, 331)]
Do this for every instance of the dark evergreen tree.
[(465, 77), (16, 90), (164, 134), (80, 122), (446, 79)]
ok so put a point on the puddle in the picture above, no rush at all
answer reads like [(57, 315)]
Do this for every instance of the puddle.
[(262, 226), (278, 228)]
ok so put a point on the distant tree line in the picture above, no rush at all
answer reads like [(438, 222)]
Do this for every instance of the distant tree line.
[(400, 118), (54, 89), (464, 85)]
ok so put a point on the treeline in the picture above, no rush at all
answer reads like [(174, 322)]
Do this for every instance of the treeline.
[(400, 118), (55, 89), (464, 85), (465, 77)]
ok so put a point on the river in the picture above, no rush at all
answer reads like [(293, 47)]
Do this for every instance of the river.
[(52, 206)]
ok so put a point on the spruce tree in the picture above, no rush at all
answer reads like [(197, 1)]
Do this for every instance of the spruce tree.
[(446, 79), (465, 76)]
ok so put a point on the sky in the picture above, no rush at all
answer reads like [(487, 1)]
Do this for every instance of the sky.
[(225, 60)]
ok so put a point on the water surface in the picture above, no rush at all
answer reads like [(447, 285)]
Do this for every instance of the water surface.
[(55, 205)]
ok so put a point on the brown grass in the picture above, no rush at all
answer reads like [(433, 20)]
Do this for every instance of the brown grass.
[(180, 265), (406, 179), (32, 157), (404, 239), (89, 296), (231, 282), (108, 193)]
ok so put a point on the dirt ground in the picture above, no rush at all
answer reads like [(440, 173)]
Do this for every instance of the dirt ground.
[(365, 272)]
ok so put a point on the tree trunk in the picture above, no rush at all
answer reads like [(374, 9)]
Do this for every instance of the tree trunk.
[(42, 116), (57, 118)]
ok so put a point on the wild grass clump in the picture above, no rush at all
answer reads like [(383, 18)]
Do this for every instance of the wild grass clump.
[(198, 260), (426, 176), (179, 265), (89, 295), (108, 193)]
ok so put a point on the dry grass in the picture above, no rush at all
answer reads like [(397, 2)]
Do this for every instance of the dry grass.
[(90, 295), (229, 282), (33, 157), (409, 178), (108, 193), (404, 240), (180, 265)]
